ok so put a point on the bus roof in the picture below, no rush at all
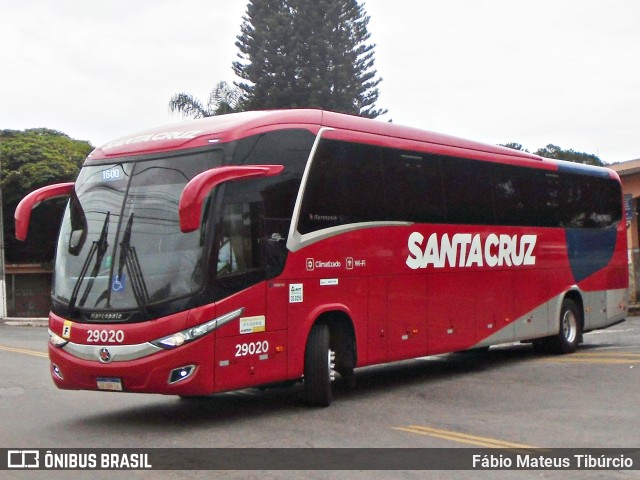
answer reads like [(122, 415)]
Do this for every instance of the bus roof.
[(225, 128)]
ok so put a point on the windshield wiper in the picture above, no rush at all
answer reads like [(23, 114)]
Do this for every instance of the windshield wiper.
[(129, 258), (98, 247)]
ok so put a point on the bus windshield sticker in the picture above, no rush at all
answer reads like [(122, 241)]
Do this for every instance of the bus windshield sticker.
[(111, 174), (253, 324), (295, 293), (66, 329), (119, 283)]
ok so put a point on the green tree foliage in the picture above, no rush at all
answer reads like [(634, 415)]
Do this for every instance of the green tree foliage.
[(307, 53), (514, 146), (31, 159), (223, 99), (557, 153)]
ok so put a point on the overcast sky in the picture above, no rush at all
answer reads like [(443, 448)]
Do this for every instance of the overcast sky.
[(535, 72)]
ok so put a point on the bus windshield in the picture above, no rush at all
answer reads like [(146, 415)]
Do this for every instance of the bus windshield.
[(120, 246)]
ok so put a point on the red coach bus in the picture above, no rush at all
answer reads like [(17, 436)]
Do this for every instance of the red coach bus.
[(267, 247)]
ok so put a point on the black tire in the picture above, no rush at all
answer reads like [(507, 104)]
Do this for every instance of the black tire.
[(343, 344), (318, 367), (570, 334)]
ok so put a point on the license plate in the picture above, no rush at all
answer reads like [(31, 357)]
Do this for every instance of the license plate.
[(111, 384)]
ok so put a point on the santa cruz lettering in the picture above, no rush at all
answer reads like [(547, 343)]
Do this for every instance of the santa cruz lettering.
[(469, 250), (175, 135)]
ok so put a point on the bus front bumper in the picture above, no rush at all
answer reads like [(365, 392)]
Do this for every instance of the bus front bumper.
[(187, 370)]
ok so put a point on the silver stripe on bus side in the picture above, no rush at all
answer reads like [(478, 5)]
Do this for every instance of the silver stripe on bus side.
[(313, 237)]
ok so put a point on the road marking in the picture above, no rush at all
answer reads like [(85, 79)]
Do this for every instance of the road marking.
[(606, 354), (24, 351), (599, 332), (464, 438), (611, 358)]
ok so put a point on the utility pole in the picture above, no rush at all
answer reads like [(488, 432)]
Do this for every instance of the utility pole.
[(3, 283)]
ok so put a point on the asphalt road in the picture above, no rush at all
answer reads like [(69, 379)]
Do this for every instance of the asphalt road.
[(509, 397)]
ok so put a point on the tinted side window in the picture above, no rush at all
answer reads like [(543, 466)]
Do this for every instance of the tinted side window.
[(413, 187), (516, 196), (352, 183), (284, 147), (575, 201), (256, 213), (346, 185), (588, 202), (468, 191), (611, 204)]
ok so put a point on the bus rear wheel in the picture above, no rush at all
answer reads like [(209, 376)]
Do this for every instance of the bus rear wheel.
[(570, 334), (318, 367)]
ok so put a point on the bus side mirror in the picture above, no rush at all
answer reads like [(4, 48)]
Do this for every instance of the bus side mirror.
[(194, 193), (28, 203)]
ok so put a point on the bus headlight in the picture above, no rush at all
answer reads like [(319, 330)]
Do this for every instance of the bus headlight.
[(178, 339), (56, 340), (171, 341)]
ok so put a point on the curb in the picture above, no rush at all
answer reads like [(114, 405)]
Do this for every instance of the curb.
[(26, 322)]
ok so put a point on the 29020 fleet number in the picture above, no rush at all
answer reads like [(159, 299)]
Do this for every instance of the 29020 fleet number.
[(252, 348), (105, 336)]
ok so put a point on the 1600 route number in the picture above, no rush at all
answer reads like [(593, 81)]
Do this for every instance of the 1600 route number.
[(252, 348)]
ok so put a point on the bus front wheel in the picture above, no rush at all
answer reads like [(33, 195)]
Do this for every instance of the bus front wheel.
[(318, 367)]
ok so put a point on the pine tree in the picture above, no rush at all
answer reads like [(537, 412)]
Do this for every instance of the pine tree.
[(307, 53)]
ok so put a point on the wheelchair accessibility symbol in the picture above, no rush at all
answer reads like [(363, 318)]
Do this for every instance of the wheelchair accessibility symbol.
[(119, 283)]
